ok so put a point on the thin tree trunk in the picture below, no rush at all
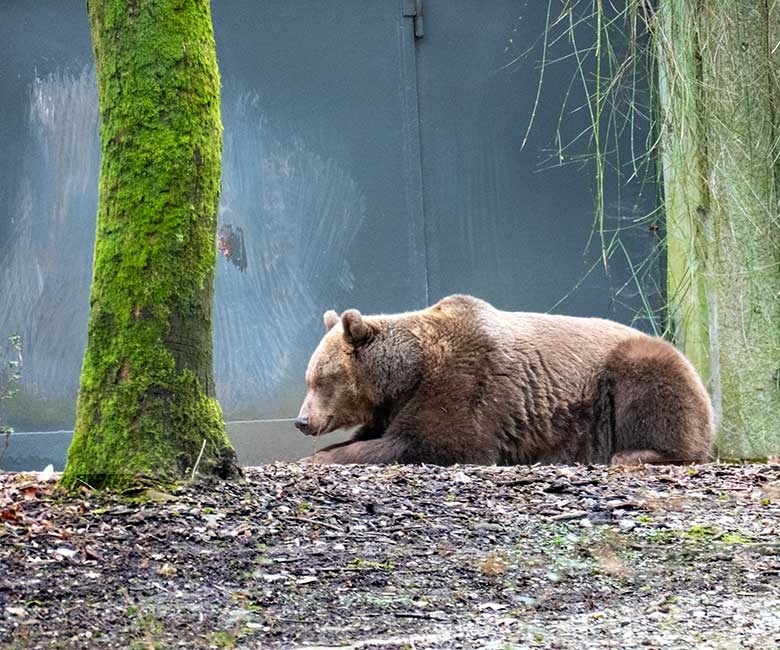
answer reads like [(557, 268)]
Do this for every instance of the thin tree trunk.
[(683, 160), (738, 99), (146, 403), (730, 237)]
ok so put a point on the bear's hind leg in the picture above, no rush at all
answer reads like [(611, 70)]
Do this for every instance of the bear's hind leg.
[(662, 413), (641, 457)]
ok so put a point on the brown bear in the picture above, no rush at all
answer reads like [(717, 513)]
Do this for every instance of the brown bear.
[(462, 382)]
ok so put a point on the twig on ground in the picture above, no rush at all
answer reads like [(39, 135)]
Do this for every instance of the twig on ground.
[(197, 462)]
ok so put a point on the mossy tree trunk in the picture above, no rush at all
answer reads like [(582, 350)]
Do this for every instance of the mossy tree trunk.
[(684, 179), (721, 183), (146, 404)]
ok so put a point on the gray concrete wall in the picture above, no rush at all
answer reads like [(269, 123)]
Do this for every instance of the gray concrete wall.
[(362, 168)]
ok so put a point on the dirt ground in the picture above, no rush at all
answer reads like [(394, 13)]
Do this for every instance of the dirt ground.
[(399, 557)]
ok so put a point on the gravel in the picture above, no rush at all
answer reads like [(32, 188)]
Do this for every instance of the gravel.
[(306, 556)]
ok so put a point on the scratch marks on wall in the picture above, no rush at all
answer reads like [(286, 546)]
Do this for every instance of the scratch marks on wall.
[(299, 212), (45, 265)]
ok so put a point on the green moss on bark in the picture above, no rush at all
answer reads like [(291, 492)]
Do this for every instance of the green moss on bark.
[(146, 402), (719, 95), (741, 149), (682, 160)]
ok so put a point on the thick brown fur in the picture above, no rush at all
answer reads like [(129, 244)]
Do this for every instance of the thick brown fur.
[(462, 382)]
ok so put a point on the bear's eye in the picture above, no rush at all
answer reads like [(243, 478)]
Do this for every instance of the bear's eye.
[(326, 379), (322, 389), (323, 384), (326, 391)]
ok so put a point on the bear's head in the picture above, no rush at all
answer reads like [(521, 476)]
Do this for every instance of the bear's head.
[(361, 365)]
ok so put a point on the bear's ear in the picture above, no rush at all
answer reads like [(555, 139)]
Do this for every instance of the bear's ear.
[(330, 318), (357, 331)]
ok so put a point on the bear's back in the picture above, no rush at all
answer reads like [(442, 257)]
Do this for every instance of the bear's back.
[(559, 339)]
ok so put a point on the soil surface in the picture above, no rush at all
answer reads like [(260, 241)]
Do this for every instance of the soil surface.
[(398, 557)]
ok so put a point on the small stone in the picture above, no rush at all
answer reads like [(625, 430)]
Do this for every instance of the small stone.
[(157, 496), (47, 474), (626, 525), (66, 553), (493, 607), (273, 577)]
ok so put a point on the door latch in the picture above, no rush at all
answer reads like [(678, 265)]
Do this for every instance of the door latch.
[(414, 9)]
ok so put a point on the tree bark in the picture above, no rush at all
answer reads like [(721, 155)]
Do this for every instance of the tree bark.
[(731, 245), (682, 161), (736, 75), (146, 403)]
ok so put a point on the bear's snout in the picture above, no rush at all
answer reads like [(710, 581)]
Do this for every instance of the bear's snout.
[(302, 423)]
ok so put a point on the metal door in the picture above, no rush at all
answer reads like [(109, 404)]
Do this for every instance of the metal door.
[(514, 222)]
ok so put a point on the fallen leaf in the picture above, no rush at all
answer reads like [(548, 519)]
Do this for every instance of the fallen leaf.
[(30, 491), (167, 570), (9, 515)]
